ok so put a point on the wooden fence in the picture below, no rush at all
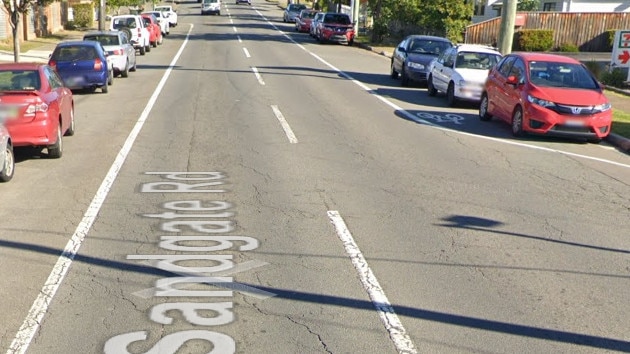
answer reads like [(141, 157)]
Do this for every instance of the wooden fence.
[(587, 30)]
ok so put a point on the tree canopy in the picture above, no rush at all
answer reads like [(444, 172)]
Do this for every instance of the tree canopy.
[(445, 17)]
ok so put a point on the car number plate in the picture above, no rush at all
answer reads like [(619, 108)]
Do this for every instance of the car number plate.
[(574, 122), (8, 112)]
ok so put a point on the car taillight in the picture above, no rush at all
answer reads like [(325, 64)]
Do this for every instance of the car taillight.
[(98, 64), (139, 33), (53, 64), (116, 52), (34, 108)]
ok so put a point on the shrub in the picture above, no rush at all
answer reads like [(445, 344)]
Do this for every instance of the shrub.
[(615, 78), (83, 15), (569, 47), (534, 40), (611, 38), (595, 68), (70, 25)]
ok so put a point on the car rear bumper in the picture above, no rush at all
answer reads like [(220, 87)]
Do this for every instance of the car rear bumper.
[(343, 38), (539, 120), (37, 132), (119, 62), (85, 79)]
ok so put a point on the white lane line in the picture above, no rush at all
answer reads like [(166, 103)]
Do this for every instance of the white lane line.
[(239, 38), (415, 118), (234, 28), (31, 323), (231, 21), (246, 52), (260, 80), (285, 124), (388, 316)]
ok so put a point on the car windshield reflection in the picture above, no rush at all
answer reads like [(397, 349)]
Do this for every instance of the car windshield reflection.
[(552, 74), (430, 47)]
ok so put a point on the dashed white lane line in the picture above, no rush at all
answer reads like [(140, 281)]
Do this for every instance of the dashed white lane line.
[(31, 323), (246, 53), (385, 310), (258, 77), (285, 125), (234, 28)]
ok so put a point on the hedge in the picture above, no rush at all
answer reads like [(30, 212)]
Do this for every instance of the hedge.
[(534, 40)]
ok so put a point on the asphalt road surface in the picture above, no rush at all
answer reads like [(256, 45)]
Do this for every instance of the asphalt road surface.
[(249, 190)]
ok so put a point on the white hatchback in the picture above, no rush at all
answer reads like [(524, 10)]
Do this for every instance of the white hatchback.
[(461, 72), (169, 12)]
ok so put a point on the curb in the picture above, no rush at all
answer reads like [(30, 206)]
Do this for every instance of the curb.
[(619, 141), (614, 139)]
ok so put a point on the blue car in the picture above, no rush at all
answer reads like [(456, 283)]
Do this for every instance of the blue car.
[(413, 56), (82, 65)]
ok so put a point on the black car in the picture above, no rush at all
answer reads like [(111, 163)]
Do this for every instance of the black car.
[(413, 55)]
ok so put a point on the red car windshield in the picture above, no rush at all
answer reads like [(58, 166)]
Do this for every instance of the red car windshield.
[(553, 74), (19, 80)]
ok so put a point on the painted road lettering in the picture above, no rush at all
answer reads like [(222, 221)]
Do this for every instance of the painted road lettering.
[(206, 224), (446, 118)]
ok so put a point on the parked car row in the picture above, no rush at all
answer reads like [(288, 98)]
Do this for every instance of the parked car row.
[(323, 26), (36, 100), (535, 93)]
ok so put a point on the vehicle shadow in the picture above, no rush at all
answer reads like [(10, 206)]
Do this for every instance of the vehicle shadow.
[(24, 153), (469, 122), (295, 295)]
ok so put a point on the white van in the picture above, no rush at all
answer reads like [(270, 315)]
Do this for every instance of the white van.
[(211, 7)]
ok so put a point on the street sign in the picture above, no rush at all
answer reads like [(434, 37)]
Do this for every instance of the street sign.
[(621, 49)]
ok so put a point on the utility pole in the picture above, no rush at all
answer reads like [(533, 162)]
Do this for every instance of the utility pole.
[(101, 16), (355, 15), (506, 31)]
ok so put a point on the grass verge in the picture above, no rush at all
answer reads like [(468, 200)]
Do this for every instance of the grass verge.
[(621, 123), (25, 46)]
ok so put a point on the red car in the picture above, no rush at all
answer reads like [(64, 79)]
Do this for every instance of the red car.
[(335, 27), (546, 94), (304, 19), (155, 31), (36, 107)]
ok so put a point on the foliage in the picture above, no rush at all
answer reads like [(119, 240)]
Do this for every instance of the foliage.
[(568, 47), (534, 40), (450, 16), (611, 38), (595, 68), (396, 17), (621, 123), (615, 78), (83, 15), (528, 5)]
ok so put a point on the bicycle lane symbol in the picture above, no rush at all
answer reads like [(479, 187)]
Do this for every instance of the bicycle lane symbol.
[(437, 118)]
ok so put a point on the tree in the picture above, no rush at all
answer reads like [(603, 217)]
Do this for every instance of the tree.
[(527, 5), (450, 16), (16, 9)]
